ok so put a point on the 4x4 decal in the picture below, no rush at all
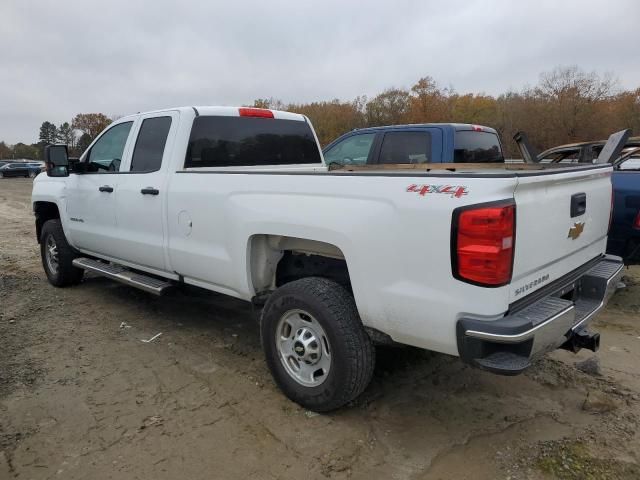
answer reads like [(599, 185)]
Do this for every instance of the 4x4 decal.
[(456, 191)]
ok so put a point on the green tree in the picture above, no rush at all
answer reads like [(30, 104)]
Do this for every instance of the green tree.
[(84, 141), (66, 134), (48, 133), (29, 152)]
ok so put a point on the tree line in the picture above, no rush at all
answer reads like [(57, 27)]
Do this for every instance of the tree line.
[(77, 135), (566, 105)]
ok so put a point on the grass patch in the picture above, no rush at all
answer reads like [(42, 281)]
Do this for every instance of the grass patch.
[(571, 460)]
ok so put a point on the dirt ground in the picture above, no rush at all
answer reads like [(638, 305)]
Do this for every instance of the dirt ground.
[(82, 396)]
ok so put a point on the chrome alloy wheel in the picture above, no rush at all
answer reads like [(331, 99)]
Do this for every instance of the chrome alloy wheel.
[(303, 348), (51, 254)]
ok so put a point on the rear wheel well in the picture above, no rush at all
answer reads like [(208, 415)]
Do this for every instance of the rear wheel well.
[(44, 211), (276, 260), (295, 265)]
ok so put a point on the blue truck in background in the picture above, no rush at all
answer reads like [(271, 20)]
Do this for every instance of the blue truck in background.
[(624, 235), (420, 143)]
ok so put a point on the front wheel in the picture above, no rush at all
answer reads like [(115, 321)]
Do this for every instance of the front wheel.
[(315, 345), (57, 256)]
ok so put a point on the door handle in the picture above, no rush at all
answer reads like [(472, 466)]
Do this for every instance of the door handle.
[(106, 188), (150, 191)]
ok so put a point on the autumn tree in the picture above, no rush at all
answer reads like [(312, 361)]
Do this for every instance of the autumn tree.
[(388, 108), (272, 103), (5, 151), (573, 97), (332, 119), (429, 103), (90, 123)]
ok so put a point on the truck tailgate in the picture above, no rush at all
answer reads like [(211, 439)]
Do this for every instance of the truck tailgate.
[(552, 237)]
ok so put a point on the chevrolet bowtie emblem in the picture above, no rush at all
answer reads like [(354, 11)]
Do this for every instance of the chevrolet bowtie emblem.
[(576, 230)]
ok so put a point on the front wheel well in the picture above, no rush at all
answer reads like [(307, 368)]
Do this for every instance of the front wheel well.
[(44, 211)]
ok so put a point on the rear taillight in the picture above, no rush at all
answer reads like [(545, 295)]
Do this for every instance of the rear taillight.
[(255, 112), (483, 241), (636, 222)]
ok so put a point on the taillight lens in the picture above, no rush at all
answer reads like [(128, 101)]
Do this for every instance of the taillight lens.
[(483, 244), (636, 222), (255, 112)]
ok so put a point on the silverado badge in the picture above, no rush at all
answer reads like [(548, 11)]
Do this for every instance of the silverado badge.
[(576, 230)]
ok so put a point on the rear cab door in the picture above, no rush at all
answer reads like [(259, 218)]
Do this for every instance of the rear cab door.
[(142, 192)]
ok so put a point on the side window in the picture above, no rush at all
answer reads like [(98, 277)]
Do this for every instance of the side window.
[(406, 147), (106, 153), (149, 149), (351, 151)]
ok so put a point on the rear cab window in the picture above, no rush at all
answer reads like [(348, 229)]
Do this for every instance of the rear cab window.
[(406, 147), (149, 149), (473, 146), (227, 141)]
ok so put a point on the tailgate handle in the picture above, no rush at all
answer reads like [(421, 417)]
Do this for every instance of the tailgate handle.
[(578, 204)]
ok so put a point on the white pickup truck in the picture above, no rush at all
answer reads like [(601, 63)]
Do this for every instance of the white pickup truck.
[(494, 263)]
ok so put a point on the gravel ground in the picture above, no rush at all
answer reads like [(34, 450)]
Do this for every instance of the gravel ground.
[(81, 396)]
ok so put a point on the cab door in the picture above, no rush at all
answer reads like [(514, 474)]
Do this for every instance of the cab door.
[(90, 202), (142, 193)]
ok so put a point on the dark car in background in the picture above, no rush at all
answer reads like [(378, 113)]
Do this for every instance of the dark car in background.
[(20, 169), (624, 235), (415, 144), (584, 152)]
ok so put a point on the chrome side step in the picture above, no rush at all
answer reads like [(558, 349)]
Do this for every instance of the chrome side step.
[(123, 275)]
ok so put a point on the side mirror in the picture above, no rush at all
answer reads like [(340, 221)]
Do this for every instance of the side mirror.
[(56, 160)]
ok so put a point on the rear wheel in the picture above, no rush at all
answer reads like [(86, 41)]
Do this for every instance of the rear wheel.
[(315, 345), (57, 256)]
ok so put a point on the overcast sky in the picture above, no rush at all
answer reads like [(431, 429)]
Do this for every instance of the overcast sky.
[(124, 56)]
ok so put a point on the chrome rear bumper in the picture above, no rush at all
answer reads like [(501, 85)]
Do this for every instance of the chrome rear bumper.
[(508, 345)]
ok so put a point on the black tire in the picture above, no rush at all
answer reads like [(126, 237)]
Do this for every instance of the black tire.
[(66, 274), (352, 352)]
